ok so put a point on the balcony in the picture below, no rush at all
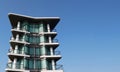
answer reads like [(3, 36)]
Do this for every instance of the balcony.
[(52, 33), (19, 41), (19, 54), (56, 55), (15, 68), (53, 44), (21, 30), (58, 68), (13, 42)]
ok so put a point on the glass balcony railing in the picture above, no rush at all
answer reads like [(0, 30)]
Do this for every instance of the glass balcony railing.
[(17, 52), (53, 41), (21, 29), (59, 67), (54, 30), (19, 40), (34, 30), (21, 66), (54, 53), (14, 66)]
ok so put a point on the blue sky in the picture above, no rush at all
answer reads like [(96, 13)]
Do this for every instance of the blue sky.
[(89, 31)]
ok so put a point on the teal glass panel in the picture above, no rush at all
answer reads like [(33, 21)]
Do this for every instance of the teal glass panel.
[(43, 50), (34, 28), (30, 28), (41, 29), (38, 40), (31, 51), (45, 27), (25, 64), (18, 64), (47, 51), (30, 39), (33, 39), (37, 64), (31, 64), (49, 65), (43, 64), (20, 50), (26, 50), (42, 39), (37, 50), (24, 25), (23, 38), (22, 64)]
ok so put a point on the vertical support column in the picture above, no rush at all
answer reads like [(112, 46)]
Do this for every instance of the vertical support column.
[(18, 26), (50, 39), (51, 51), (17, 37), (23, 39), (53, 65), (14, 63), (48, 27), (16, 49)]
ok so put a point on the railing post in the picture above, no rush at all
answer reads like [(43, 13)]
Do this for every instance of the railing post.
[(50, 40), (17, 37), (51, 51), (48, 27), (18, 26), (14, 63), (16, 49), (53, 65)]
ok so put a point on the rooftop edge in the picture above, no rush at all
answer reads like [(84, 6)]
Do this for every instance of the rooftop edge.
[(33, 17)]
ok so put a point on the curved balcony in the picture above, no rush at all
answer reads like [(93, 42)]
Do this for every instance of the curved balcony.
[(21, 30), (19, 41), (56, 55), (53, 44), (13, 42), (15, 68), (58, 68), (52, 33), (17, 54)]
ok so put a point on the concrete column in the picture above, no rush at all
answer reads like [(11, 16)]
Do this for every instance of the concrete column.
[(51, 51), (53, 65), (14, 63), (17, 37), (18, 26), (48, 27), (23, 39), (12, 38), (16, 49), (50, 39)]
